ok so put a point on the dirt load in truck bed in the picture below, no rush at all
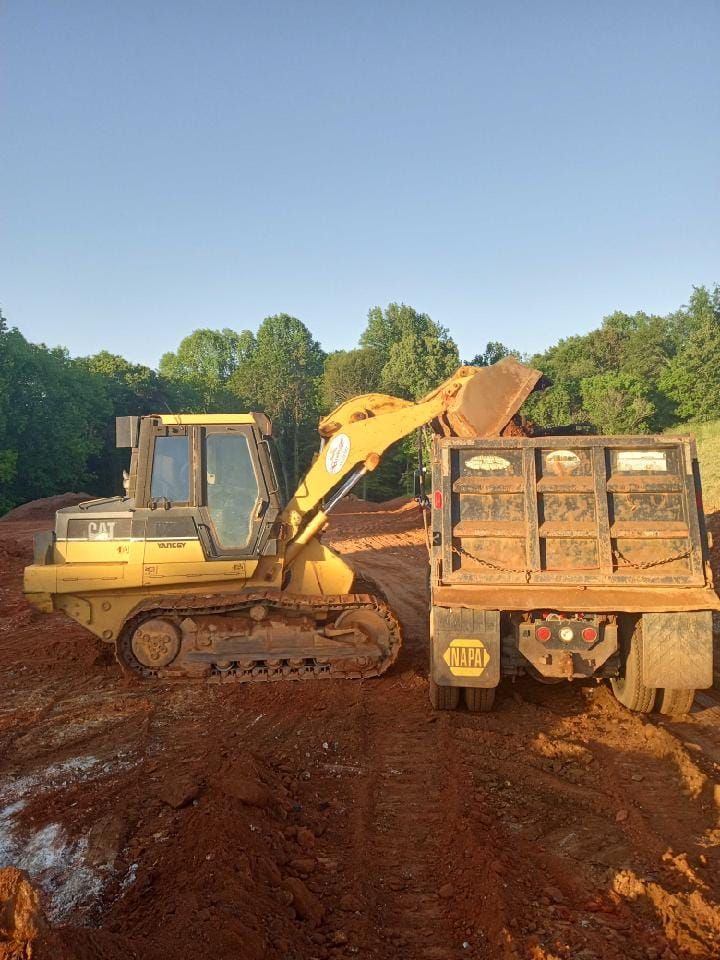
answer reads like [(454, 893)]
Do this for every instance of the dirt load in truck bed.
[(336, 820)]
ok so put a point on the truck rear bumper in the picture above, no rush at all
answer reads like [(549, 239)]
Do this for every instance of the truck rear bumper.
[(588, 599)]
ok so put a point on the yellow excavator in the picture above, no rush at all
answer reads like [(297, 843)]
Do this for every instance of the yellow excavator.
[(202, 570)]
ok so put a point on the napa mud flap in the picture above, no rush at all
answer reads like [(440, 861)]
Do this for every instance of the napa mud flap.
[(677, 650), (465, 647)]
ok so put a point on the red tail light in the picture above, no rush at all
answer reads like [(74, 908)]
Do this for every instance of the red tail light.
[(543, 634), (437, 499), (589, 634)]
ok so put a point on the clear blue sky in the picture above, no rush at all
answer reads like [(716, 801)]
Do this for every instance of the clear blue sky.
[(515, 169)]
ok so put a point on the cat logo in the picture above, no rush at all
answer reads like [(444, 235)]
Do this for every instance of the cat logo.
[(466, 658), (101, 530)]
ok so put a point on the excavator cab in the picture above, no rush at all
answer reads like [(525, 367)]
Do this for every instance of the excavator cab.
[(194, 479)]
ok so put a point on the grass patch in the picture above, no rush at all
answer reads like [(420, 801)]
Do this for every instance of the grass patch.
[(708, 444)]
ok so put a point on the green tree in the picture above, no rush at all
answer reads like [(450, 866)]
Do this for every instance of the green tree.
[(387, 327), (637, 347), (692, 378), (8, 454), (282, 377), (418, 363), (553, 407), (702, 306), (131, 389), (565, 365), (420, 353), (494, 351), (618, 403), (54, 420), (348, 373), (206, 360)]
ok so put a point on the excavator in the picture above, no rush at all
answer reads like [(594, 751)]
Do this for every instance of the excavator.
[(201, 570)]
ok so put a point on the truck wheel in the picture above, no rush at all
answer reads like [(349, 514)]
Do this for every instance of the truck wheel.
[(443, 698), (675, 703), (479, 699), (629, 690)]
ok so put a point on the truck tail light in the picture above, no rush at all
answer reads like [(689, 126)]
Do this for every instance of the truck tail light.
[(589, 634), (437, 499), (543, 634)]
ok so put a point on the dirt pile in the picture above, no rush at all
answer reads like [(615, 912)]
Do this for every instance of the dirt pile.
[(45, 508), (12, 551), (518, 427), (358, 505), (230, 850), (21, 915), (25, 933)]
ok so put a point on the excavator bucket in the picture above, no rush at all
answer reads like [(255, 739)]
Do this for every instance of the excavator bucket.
[(488, 400)]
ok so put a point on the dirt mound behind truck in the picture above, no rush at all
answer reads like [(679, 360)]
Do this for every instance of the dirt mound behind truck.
[(46, 507)]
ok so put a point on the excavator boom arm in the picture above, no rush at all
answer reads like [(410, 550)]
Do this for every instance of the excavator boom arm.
[(474, 401)]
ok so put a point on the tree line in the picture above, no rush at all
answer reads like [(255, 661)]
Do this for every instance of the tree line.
[(635, 373)]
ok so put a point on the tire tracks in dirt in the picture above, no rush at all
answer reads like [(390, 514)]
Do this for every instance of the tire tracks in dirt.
[(402, 834)]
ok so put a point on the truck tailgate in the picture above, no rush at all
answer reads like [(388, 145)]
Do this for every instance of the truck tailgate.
[(618, 511)]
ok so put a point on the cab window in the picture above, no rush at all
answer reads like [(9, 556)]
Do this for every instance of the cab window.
[(171, 470), (232, 488)]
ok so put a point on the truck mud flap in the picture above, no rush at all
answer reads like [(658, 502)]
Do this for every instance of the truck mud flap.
[(465, 647), (678, 650)]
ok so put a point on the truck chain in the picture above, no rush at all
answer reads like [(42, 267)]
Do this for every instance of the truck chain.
[(312, 669), (649, 564)]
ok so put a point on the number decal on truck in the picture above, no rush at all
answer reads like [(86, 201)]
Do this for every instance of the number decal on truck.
[(466, 658)]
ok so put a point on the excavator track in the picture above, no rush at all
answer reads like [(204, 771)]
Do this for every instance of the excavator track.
[(259, 637)]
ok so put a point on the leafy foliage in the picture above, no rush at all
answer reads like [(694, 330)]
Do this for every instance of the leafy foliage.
[(420, 353), (494, 351), (349, 373), (634, 373), (617, 403), (52, 423), (692, 378), (130, 388), (281, 375), (206, 360)]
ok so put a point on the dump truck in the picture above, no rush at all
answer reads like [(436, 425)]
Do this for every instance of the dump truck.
[(568, 558), (203, 570)]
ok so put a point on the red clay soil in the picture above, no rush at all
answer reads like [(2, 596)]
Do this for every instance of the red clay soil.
[(341, 819), (44, 509)]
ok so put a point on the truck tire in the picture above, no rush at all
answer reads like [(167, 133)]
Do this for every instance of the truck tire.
[(675, 703), (443, 698), (629, 690), (479, 699)]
